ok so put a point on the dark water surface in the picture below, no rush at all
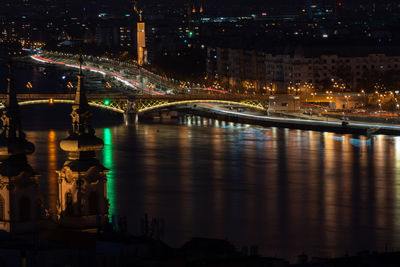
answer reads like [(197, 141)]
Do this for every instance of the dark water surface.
[(44, 78), (287, 191)]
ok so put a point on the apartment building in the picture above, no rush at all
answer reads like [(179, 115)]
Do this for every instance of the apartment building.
[(303, 67), (237, 69)]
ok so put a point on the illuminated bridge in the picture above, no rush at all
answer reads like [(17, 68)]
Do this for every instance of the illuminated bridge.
[(136, 104)]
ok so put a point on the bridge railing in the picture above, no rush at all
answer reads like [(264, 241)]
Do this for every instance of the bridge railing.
[(140, 97)]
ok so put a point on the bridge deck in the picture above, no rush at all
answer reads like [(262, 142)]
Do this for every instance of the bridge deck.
[(141, 97)]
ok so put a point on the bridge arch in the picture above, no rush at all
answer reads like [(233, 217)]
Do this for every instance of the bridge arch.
[(141, 104), (65, 101), (145, 107)]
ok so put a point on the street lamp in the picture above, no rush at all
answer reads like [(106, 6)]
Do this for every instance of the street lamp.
[(379, 105), (70, 86), (290, 88), (29, 87), (342, 87), (347, 101)]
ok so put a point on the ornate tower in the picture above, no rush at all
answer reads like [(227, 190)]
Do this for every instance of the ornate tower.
[(140, 37), (82, 181), (141, 43), (21, 205)]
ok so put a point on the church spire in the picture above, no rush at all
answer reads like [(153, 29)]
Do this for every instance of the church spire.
[(11, 116), (19, 182), (11, 96), (80, 110), (83, 179), (82, 135), (12, 138), (80, 96)]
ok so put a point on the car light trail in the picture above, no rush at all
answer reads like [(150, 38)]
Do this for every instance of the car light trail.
[(215, 90), (118, 77)]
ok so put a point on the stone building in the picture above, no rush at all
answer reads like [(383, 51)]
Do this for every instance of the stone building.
[(236, 69), (327, 67), (303, 67), (21, 205), (82, 181)]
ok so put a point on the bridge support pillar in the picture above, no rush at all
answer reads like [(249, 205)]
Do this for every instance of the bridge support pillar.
[(131, 114), (131, 118), (265, 104)]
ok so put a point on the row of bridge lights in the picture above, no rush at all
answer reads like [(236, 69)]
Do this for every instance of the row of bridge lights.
[(29, 86), (106, 101)]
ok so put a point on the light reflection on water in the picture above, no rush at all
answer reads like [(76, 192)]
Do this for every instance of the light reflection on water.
[(287, 191), (52, 148), (108, 162)]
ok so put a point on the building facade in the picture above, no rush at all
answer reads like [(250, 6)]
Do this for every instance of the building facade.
[(298, 69), (21, 204), (239, 70), (82, 181)]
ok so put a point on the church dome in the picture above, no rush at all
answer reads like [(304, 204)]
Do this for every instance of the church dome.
[(82, 136), (77, 143), (15, 147)]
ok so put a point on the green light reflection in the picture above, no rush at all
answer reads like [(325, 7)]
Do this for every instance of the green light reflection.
[(108, 162)]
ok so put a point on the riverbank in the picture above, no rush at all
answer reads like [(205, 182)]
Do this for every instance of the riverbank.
[(331, 125)]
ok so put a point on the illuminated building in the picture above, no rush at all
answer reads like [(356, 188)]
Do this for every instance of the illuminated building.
[(322, 8), (116, 34), (82, 187), (21, 206), (125, 39), (237, 68), (141, 43), (140, 38), (321, 66), (296, 66)]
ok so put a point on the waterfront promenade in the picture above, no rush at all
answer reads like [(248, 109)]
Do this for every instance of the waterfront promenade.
[(289, 120)]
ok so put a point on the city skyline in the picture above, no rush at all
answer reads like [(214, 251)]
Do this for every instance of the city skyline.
[(198, 132)]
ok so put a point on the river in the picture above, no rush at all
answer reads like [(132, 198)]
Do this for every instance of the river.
[(285, 191)]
